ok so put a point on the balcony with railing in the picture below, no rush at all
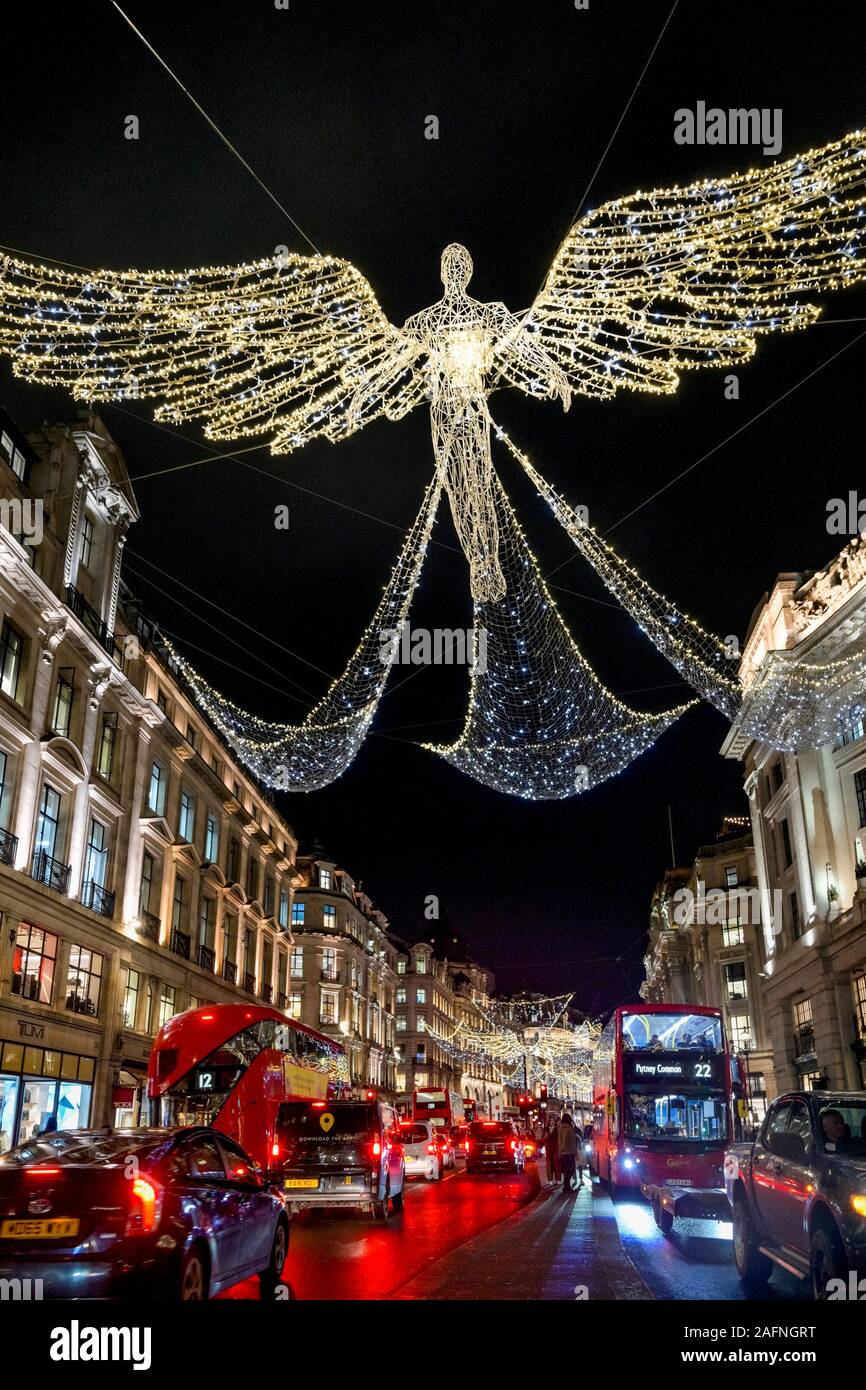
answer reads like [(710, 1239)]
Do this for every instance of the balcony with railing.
[(267, 994), (249, 982), (97, 898), (804, 1042), (50, 871), (88, 616), (149, 925), (330, 976), (206, 958), (282, 1001), (8, 847), (179, 944), (230, 972)]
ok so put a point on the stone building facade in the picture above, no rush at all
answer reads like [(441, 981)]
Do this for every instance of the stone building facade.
[(142, 871), (808, 815)]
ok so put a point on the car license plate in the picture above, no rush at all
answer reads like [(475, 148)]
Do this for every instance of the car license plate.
[(51, 1229), (489, 1153), (301, 1182)]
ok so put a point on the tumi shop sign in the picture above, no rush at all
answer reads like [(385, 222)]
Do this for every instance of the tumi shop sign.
[(28, 1029)]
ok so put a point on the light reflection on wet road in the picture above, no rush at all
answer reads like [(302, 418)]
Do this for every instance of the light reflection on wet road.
[(347, 1255)]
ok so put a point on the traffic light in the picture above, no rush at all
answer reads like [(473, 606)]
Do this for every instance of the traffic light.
[(542, 1097), (524, 1102)]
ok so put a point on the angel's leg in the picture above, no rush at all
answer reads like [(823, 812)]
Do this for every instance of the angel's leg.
[(461, 440)]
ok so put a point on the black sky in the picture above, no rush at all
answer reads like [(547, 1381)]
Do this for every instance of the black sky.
[(327, 101)]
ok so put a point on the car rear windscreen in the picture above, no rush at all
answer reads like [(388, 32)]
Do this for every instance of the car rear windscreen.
[(413, 1134), (488, 1130), (301, 1120)]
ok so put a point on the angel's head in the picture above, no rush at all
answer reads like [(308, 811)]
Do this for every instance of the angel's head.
[(456, 267)]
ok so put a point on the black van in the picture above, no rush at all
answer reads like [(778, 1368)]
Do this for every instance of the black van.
[(341, 1153)]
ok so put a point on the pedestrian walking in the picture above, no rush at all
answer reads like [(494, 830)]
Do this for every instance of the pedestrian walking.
[(567, 1146), (551, 1154)]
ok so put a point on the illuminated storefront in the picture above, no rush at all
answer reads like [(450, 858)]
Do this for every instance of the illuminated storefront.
[(42, 1087)]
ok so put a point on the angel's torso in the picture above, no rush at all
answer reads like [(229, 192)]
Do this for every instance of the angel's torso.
[(459, 335)]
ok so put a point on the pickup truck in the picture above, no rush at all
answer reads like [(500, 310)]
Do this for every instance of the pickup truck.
[(798, 1193)]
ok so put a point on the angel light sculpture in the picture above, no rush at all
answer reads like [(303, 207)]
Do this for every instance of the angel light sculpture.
[(298, 348)]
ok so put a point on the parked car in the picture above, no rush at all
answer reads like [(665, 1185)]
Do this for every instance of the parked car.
[(421, 1150), (494, 1144), (339, 1153), (798, 1193), (167, 1213)]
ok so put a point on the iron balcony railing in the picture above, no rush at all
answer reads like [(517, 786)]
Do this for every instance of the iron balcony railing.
[(267, 993), (8, 847), (230, 971), (283, 1001), (87, 614), (149, 925), (98, 899), (50, 871), (332, 976), (206, 958), (249, 982), (179, 944), (804, 1042)]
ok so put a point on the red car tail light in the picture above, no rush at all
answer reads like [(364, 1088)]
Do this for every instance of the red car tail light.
[(41, 1171), (514, 1145), (431, 1149), (144, 1208), (466, 1146), (377, 1148)]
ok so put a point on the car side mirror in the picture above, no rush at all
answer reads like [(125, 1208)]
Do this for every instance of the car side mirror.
[(790, 1146)]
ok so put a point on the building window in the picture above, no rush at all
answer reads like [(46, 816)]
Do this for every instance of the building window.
[(860, 789), (420, 995), (5, 788), (298, 914), (11, 648), (156, 791), (178, 904), (735, 979), (48, 824), (796, 927), (87, 542), (282, 973), (284, 907), (420, 965), (166, 1003), (96, 865), (733, 934), (297, 965), (193, 737), (207, 923), (252, 878), (131, 991), (325, 878), (233, 867), (809, 1080), (778, 774), (804, 1031), (329, 963), (61, 716), (84, 981), (859, 988), (731, 879), (212, 839), (329, 917), (270, 892), (740, 1027), (295, 1005), (401, 994), (107, 746), (401, 967), (186, 818), (786, 844), (145, 894), (328, 1009), (401, 1023), (33, 962)]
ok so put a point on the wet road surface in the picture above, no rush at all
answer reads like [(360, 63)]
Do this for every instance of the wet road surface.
[(695, 1261), (348, 1255)]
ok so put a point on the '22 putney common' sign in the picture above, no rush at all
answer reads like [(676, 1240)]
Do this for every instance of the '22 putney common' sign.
[(685, 1068)]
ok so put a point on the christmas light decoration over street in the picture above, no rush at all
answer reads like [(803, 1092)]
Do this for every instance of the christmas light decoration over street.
[(297, 347)]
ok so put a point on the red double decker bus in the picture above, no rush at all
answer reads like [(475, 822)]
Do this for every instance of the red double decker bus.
[(662, 1109), (232, 1065)]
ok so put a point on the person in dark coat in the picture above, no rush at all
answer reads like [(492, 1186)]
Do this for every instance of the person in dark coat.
[(567, 1143), (551, 1153)]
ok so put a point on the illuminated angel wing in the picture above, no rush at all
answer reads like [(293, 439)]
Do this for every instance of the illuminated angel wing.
[(688, 277), (279, 348)]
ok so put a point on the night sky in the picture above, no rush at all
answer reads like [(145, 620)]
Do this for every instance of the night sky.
[(327, 102)]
